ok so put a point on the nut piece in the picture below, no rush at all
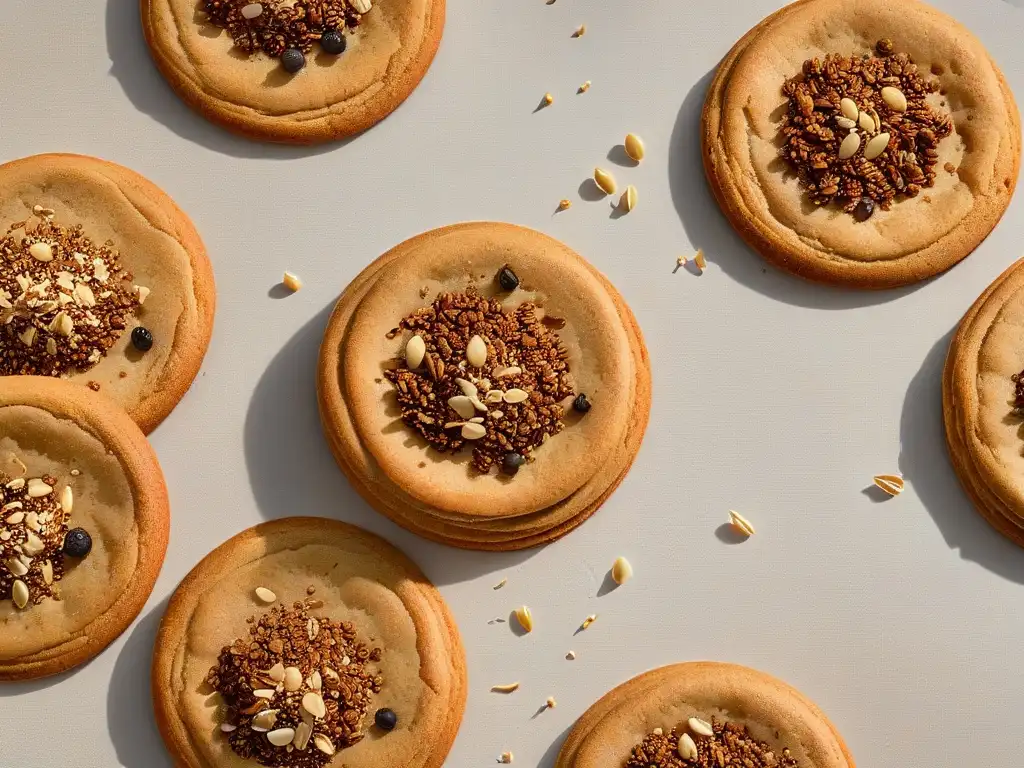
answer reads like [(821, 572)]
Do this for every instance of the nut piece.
[(415, 349), (67, 500), (41, 251), (525, 618), (584, 87), (581, 30), (313, 703), (634, 147), (473, 431), (264, 721), (37, 488), (506, 757), (276, 673), (252, 10), (894, 98), (605, 181), (281, 737), (849, 108), (19, 592), (686, 747), (866, 122), (891, 484), (622, 571), (845, 123), (564, 205), (324, 744), (588, 621), (291, 281), (548, 99), (516, 395), (361, 6), (551, 703), (507, 688), (876, 146), (700, 727), (740, 523), (292, 679), (849, 146), (303, 731), (700, 261), (265, 595), (462, 405), (628, 200), (476, 352)]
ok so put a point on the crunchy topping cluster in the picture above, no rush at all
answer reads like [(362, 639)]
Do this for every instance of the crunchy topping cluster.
[(730, 745), (1018, 393), (33, 524), (859, 132), (64, 301), (276, 25), (297, 689), (476, 373)]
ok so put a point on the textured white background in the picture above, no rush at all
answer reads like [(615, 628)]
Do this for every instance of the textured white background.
[(774, 397)]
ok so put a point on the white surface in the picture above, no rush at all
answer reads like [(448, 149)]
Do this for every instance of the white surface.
[(771, 396)]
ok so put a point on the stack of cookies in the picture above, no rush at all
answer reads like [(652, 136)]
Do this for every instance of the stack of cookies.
[(983, 403), (484, 386)]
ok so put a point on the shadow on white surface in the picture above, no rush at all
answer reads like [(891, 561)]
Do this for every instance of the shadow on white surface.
[(130, 717), (292, 471), (924, 461), (547, 760), (145, 87), (707, 228), (31, 686)]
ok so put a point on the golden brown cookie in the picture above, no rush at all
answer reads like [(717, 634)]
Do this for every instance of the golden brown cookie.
[(226, 59), (90, 252), (446, 496), (780, 163), (688, 713), (71, 462), (334, 624), (984, 426)]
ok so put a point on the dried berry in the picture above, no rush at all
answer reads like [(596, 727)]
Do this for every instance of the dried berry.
[(293, 60), (507, 279), (386, 719), (78, 543), (864, 209), (142, 339), (581, 404), (333, 42), (511, 463)]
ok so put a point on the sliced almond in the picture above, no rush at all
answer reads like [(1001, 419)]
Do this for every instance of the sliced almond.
[(471, 431), (876, 146), (16, 567), (292, 678), (314, 704), (516, 395), (28, 336), (894, 98), (477, 405), (468, 388), (865, 122), (47, 569), (264, 721), (700, 727), (361, 6), (525, 618), (32, 545), (41, 251), (264, 693), (67, 500), (891, 484), (476, 352), (462, 406), (303, 732), (605, 181), (494, 396), (506, 688), (849, 146), (740, 523), (415, 349), (686, 747), (845, 123), (512, 370), (282, 737), (849, 108), (37, 488), (266, 595), (324, 744), (276, 673), (19, 593)]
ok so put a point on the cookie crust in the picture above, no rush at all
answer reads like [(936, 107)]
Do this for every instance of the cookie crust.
[(59, 426), (919, 237)]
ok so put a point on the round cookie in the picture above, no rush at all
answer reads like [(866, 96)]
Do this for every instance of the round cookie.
[(652, 715), (233, 69), (463, 507), (352, 596), (71, 461), (981, 405), (89, 253), (948, 170)]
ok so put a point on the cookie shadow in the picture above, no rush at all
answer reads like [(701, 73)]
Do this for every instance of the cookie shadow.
[(130, 719), (293, 472), (25, 687), (550, 755), (132, 66), (924, 461), (707, 228)]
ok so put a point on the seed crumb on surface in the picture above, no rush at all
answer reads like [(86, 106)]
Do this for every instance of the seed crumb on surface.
[(580, 31), (700, 261), (740, 523), (550, 703), (500, 584), (505, 688), (570, 655), (506, 757), (584, 87), (292, 282), (548, 99), (588, 621)]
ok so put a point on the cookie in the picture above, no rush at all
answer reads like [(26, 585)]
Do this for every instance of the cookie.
[(457, 489), (103, 281), (703, 713), (817, 185), (983, 403), (298, 72), (83, 525), (308, 642)]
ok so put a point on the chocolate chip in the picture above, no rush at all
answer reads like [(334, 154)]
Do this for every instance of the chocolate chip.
[(581, 404), (507, 279), (864, 209)]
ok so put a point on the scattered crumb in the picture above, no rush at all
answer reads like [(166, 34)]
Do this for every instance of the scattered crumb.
[(700, 261), (506, 757), (500, 584), (740, 523), (507, 688), (424, 291), (548, 99), (94, 386), (423, 465), (588, 621), (123, 374), (570, 655), (581, 30), (949, 168), (310, 590), (584, 88), (76, 472), (564, 205), (291, 282), (497, 620), (551, 703)]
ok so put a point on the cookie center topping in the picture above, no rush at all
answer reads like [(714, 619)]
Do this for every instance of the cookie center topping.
[(474, 373), (33, 524), (700, 744), (64, 301), (297, 689), (279, 26), (860, 132)]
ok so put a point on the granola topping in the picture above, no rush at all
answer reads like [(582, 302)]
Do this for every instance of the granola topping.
[(297, 689), (33, 523), (731, 744), (859, 131), (274, 26), (64, 301), (474, 373)]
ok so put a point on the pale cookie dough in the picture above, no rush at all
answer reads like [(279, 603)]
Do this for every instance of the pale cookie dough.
[(975, 169), (670, 708), (439, 495), (70, 459), (338, 573), (165, 274), (331, 97)]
